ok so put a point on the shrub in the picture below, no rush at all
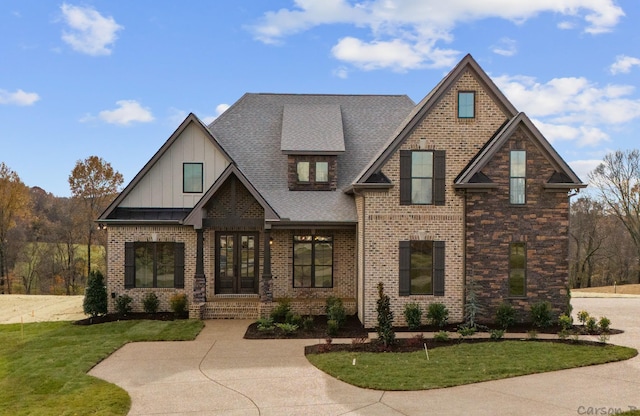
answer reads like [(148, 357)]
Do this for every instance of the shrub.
[(332, 327), (280, 312), (265, 324), (583, 316), (563, 334), (123, 304), (438, 314), (441, 336), (532, 334), (604, 323), (591, 324), (287, 329), (565, 322), (541, 315), (150, 303), (335, 311), (505, 315), (95, 298), (178, 303), (466, 331), (294, 319), (308, 323), (413, 315), (385, 318), (496, 334)]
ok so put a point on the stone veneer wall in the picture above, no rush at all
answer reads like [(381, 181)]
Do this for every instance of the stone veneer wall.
[(119, 234), (344, 272), (386, 223), (542, 223)]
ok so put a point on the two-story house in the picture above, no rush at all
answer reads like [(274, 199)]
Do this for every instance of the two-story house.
[(304, 196)]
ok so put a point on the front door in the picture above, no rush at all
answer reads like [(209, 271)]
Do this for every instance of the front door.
[(236, 263)]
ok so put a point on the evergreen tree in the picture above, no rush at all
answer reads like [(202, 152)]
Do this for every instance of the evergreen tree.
[(385, 318), (95, 298)]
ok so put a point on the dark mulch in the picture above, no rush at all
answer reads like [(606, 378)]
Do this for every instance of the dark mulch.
[(158, 316), (351, 329)]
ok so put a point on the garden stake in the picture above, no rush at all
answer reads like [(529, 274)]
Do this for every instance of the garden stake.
[(426, 351)]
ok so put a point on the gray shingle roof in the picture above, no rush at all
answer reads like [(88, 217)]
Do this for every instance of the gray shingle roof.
[(312, 129), (251, 132)]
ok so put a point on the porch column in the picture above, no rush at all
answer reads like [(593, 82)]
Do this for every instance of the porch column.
[(200, 280), (267, 291)]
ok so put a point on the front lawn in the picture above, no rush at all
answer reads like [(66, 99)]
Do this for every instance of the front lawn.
[(43, 366), (464, 363)]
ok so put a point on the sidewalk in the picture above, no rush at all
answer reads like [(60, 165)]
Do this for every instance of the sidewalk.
[(222, 374)]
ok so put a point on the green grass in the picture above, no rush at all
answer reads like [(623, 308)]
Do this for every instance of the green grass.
[(462, 364), (43, 368)]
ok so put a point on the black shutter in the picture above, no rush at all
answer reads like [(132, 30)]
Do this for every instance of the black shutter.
[(405, 268), (129, 266), (438, 268), (178, 265), (438, 177), (405, 177)]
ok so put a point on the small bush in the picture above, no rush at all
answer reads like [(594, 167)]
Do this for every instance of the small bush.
[(150, 303), (565, 322), (287, 329), (541, 315), (413, 315), (95, 298), (332, 327), (604, 337), (416, 341), (605, 324), (438, 314), (335, 311), (280, 312), (466, 331), (563, 334), (294, 319), (123, 304), (265, 324), (496, 334), (583, 316), (505, 316), (441, 336), (178, 303), (591, 324), (308, 323)]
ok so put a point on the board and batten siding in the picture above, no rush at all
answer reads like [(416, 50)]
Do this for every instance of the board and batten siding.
[(161, 187)]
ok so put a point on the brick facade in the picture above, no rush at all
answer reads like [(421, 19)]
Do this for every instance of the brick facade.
[(312, 185), (542, 223)]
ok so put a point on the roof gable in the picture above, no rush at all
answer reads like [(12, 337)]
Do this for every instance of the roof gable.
[(190, 124), (564, 177), (424, 107)]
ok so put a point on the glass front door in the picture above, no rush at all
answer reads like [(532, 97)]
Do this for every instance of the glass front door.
[(236, 263)]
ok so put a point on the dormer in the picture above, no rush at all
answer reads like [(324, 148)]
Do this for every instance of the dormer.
[(312, 138)]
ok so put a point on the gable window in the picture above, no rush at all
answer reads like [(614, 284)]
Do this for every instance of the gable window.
[(322, 171), (421, 268), (422, 177), (303, 171), (192, 178), (518, 177), (517, 269), (154, 265), (466, 104), (312, 261)]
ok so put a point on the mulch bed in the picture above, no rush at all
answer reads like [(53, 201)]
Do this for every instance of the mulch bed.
[(158, 316)]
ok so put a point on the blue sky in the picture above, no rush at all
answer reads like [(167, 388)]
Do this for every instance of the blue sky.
[(115, 78)]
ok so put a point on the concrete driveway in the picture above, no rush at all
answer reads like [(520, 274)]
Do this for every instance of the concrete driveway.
[(222, 374)]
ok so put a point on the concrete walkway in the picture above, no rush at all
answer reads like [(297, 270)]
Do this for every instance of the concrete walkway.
[(222, 374)]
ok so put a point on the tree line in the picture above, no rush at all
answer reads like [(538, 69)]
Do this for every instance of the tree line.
[(47, 242)]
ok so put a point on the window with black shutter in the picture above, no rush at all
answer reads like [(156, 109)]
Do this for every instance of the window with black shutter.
[(422, 177), (421, 268)]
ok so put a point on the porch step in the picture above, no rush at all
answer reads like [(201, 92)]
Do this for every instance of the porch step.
[(232, 307)]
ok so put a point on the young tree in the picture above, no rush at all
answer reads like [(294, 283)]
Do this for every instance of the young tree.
[(617, 179), (14, 203), (95, 299), (94, 183)]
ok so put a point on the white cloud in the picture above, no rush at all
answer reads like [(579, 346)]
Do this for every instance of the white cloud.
[(128, 111), (505, 47), (18, 97), (582, 168), (88, 31), (623, 64), (416, 27), (341, 72), (220, 108)]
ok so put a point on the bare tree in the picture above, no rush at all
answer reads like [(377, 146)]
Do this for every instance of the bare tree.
[(587, 239), (617, 179), (14, 203), (94, 183)]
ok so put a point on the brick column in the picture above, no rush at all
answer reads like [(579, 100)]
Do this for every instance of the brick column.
[(200, 280), (266, 292)]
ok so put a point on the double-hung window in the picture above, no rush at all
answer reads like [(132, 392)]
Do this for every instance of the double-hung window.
[(422, 177), (518, 177), (466, 104), (517, 269), (421, 267), (312, 261), (192, 178), (154, 264)]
